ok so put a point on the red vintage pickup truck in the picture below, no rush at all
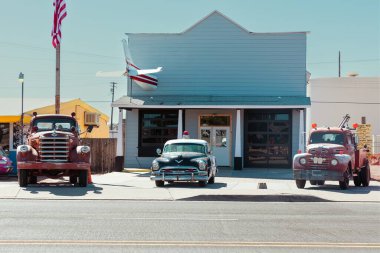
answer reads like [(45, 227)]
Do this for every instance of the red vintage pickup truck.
[(53, 150), (332, 154)]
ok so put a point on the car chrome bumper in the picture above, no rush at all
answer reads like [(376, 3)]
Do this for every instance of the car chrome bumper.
[(332, 175), (198, 176), (52, 166)]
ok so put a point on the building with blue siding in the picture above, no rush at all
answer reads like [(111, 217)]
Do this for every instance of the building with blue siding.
[(243, 92)]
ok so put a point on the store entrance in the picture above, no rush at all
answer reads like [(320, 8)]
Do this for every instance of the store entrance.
[(215, 129), (267, 139)]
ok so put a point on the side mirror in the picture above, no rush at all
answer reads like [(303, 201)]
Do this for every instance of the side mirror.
[(89, 129), (158, 151), (34, 129)]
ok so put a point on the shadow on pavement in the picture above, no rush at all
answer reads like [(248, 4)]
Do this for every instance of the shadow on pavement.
[(257, 198), (182, 185), (351, 189), (281, 174), (62, 189)]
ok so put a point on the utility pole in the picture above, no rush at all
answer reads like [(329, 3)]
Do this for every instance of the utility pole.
[(339, 62), (113, 96)]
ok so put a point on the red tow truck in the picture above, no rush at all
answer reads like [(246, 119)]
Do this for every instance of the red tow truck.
[(332, 154), (53, 150)]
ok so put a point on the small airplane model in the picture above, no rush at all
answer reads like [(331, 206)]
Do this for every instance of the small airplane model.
[(141, 77)]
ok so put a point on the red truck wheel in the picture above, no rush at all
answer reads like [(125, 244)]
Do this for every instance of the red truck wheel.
[(365, 175), (73, 179), (83, 178), (23, 178), (33, 179), (357, 180), (300, 183)]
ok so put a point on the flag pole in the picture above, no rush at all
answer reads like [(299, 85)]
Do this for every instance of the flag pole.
[(57, 77)]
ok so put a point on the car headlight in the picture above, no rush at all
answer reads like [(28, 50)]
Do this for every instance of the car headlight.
[(155, 165), (334, 162), (303, 161), (202, 165), (24, 148), (85, 149)]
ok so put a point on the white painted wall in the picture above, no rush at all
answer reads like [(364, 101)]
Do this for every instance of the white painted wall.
[(332, 98)]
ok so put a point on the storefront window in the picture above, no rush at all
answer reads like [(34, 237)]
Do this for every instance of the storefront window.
[(156, 127), (267, 138), (215, 120), (4, 136)]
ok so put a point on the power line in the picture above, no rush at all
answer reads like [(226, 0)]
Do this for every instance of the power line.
[(65, 51)]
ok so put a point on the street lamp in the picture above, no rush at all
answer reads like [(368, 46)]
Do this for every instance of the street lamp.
[(21, 80)]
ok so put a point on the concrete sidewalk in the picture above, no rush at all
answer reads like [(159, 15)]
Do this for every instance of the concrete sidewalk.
[(229, 185)]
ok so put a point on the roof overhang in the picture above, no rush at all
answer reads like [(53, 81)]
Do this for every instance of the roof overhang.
[(210, 102)]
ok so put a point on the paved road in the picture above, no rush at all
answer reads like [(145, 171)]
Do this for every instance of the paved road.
[(187, 226)]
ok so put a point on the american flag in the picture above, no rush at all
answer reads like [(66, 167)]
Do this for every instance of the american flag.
[(59, 14)]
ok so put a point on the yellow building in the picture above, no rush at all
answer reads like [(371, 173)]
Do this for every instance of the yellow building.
[(86, 115)]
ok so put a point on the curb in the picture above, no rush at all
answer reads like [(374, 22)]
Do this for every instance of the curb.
[(136, 170)]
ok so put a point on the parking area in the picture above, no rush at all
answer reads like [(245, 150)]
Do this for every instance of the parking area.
[(230, 185)]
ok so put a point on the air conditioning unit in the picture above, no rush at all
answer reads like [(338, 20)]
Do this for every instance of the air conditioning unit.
[(91, 119)]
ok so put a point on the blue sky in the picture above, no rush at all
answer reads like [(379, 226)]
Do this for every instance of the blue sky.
[(93, 30)]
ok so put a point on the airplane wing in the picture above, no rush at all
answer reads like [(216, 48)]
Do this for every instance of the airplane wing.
[(109, 73), (148, 71)]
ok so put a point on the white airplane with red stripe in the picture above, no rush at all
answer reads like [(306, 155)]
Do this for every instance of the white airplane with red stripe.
[(141, 77)]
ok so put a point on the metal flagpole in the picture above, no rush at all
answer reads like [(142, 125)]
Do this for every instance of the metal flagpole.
[(57, 77)]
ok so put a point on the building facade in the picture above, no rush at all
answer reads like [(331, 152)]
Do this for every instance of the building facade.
[(357, 96), (243, 92)]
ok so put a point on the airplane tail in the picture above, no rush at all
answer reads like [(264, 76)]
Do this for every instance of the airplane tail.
[(141, 77)]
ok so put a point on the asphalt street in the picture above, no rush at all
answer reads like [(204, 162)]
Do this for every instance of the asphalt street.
[(188, 226)]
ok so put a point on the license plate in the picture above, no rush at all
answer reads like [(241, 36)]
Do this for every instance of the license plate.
[(316, 173)]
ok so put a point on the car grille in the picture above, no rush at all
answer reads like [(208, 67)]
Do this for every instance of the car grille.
[(54, 149), (324, 165)]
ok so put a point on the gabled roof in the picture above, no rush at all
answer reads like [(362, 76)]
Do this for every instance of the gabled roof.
[(228, 19), (212, 14)]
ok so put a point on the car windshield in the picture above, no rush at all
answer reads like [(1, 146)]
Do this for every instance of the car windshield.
[(327, 137), (185, 147), (59, 124)]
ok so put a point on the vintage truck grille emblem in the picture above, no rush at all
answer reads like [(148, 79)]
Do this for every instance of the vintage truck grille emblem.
[(179, 161)]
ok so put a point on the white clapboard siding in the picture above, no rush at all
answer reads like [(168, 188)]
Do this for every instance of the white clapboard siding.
[(217, 57)]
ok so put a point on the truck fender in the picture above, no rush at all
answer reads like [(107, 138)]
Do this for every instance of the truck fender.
[(83, 149), (25, 149), (343, 159)]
